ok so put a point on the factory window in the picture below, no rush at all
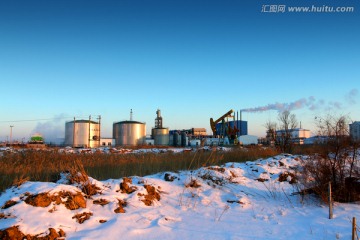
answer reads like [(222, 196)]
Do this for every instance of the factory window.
[(109, 143)]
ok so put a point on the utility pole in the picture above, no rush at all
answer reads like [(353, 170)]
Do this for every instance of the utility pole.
[(11, 126)]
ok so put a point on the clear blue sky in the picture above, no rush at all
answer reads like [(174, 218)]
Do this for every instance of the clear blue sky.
[(192, 59)]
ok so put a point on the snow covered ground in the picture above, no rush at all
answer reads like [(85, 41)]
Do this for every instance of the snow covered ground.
[(234, 201)]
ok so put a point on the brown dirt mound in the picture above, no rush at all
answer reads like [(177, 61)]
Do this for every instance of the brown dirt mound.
[(39, 200), (9, 204), (90, 189), (80, 177), (101, 202), (151, 196), (13, 233), (219, 169), (169, 177), (125, 186), (193, 184), (262, 179), (72, 202), (122, 204), (284, 177), (212, 179), (3, 216), (233, 174), (82, 217)]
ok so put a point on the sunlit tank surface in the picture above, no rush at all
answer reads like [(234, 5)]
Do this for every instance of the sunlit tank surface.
[(129, 133), (83, 133), (160, 136)]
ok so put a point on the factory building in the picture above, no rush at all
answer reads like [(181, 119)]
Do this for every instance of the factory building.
[(240, 126), (82, 133), (129, 133), (355, 130)]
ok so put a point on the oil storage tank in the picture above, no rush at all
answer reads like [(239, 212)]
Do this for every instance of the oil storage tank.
[(160, 136), (82, 133), (159, 133), (129, 133)]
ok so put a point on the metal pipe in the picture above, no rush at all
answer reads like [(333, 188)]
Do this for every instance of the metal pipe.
[(11, 127)]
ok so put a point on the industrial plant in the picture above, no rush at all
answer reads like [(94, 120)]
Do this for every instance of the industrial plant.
[(228, 129), (87, 133)]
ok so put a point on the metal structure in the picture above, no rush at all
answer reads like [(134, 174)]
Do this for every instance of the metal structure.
[(11, 127), (129, 133), (159, 133), (220, 119), (82, 133), (228, 133)]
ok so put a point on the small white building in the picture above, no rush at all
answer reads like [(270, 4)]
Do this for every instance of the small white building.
[(248, 140), (107, 142), (355, 130), (316, 140), (195, 142), (149, 141), (298, 135)]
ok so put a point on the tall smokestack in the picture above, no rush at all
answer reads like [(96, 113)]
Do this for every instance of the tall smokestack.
[(237, 121), (240, 122)]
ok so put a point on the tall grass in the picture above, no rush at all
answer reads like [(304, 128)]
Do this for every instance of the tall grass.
[(46, 165)]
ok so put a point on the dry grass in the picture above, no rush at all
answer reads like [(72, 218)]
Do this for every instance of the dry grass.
[(35, 165)]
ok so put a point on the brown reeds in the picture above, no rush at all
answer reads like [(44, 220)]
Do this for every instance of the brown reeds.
[(46, 165)]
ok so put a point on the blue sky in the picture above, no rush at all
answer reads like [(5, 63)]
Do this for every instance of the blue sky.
[(192, 59)]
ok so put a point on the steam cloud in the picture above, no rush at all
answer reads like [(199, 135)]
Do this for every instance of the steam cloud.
[(351, 96), (310, 103), (51, 130)]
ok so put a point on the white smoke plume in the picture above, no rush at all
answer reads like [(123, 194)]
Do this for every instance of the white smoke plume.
[(309, 103), (52, 129), (351, 96)]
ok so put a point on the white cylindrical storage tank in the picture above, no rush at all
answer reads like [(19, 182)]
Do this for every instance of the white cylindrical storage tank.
[(130, 133), (82, 133), (160, 136)]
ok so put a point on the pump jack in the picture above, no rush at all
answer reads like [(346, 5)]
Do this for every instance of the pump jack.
[(231, 131)]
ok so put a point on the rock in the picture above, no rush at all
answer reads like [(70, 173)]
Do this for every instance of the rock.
[(11, 233), (9, 204), (39, 200), (169, 178)]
